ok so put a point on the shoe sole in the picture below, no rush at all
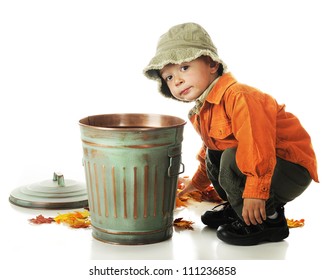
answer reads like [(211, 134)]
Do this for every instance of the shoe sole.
[(267, 236)]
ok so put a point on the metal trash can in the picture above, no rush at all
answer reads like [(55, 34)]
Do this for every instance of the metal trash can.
[(132, 163)]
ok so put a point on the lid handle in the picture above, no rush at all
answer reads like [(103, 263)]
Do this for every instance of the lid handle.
[(57, 176)]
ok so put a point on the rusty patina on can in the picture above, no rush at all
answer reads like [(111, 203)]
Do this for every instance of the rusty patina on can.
[(132, 163)]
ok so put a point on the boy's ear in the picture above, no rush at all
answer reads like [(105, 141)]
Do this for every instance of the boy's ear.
[(214, 67)]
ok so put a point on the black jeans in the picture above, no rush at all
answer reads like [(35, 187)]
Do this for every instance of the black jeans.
[(288, 182)]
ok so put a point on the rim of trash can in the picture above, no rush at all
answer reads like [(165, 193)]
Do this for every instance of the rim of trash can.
[(131, 121)]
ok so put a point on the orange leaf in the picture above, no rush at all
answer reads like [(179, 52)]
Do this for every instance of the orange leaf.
[(295, 223), (180, 202)]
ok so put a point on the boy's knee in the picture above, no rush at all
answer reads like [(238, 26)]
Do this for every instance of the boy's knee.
[(229, 157), (229, 174)]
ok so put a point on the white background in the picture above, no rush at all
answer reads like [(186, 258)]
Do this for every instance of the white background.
[(61, 61)]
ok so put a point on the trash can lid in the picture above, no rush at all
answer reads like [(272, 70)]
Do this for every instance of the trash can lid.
[(57, 193)]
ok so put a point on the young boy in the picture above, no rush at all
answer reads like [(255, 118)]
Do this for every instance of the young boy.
[(257, 156)]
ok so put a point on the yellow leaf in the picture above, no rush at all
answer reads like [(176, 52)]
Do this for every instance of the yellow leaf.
[(75, 219)]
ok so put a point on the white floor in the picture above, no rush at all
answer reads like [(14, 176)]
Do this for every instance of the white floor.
[(41, 245)]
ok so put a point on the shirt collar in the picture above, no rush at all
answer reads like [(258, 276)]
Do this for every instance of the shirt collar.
[(217, 92), (200, 100)]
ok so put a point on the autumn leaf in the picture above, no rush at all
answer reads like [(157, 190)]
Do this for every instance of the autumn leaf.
[(40, 219), (75, 219), (295, 223), (183, 224), (180, 202)]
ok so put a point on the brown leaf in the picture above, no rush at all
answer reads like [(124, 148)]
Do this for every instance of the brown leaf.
[(184, 224), (40, 219)]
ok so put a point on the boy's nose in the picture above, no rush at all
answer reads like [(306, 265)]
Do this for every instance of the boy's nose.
[(178, 81)]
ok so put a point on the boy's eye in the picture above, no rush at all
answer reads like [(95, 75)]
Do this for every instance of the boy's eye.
[(184, 67), (168, 78)]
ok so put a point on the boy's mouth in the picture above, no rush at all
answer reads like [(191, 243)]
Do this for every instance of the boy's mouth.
[(185, 91)]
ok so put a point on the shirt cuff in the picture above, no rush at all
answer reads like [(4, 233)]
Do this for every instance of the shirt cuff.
[(257, 187)]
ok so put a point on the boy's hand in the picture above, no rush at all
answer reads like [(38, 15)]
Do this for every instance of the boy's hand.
[(188, 187), (254, 211)]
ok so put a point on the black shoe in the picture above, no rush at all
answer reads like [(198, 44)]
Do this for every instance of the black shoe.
[(271, 230), (219, 215)]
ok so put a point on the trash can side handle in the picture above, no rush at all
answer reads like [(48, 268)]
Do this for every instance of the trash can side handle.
[(176, 167)]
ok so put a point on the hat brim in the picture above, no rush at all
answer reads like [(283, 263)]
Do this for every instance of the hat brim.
[(176, 56)]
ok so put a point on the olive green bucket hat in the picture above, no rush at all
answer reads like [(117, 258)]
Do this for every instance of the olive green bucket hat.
[(181, 43)]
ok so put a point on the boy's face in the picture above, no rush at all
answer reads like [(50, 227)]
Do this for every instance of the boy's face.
[(187, 81)]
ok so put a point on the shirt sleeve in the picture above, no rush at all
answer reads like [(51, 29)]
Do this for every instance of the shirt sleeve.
[(253, 117)]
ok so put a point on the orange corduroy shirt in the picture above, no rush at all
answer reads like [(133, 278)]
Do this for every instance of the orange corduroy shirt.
[(237, 115)]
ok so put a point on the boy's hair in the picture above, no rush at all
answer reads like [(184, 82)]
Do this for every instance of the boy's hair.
[(182, 43)]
